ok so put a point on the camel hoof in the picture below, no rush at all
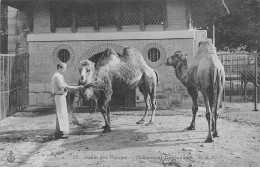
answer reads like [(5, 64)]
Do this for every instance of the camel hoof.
[(215, 135), (209, 140), (140, 122), (149, 124), (190, 128), (106, 131)]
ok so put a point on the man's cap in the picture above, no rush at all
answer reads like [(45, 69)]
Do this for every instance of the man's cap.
[(61, 64)]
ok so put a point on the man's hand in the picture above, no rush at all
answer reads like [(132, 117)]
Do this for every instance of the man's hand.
[(80, 87)]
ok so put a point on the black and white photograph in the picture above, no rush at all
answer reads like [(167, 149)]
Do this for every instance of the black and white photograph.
[(130, 83)]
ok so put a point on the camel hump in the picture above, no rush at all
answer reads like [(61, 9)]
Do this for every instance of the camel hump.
[(128, 50), (109, 51), (131, 52)]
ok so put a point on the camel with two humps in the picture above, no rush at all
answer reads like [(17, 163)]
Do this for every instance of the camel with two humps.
[(121, 73)]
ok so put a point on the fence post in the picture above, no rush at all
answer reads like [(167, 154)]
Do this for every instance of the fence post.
[(256, 82), (237, 74), (231, 84), (244, 84), (222, 103)]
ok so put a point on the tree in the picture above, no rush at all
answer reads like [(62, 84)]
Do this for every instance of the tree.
[(238, 30), (4, 29)]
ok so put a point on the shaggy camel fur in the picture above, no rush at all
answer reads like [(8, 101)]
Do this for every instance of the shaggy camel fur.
[(121, 73), (205, 74)]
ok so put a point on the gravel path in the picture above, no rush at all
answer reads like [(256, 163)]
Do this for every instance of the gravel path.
[(29, 135)]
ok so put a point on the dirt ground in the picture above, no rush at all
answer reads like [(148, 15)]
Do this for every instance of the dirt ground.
[(166, 143)]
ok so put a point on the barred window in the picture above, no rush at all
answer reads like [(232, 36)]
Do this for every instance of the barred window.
[(106, 14), (84, 16), (154, 54), (64, 55), (63, 15), (153, 13), (130, 13)]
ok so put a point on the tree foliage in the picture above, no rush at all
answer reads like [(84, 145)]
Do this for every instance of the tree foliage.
[(4, 29), (238, 30)]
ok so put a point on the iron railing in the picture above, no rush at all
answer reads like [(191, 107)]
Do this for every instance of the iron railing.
[(14, 84), (242, 75)]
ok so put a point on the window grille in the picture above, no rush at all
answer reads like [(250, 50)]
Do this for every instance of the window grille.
[(154, 54), (84, 16), (103, 14), (63, 16), (153, 13), (106, 14), (64, 55), (130, 13)]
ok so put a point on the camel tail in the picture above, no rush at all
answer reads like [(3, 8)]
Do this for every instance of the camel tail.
[(157, 77)]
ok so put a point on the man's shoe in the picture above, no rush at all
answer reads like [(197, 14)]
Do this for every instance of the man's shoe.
[(61, 135), (64, 137), (57, 136)]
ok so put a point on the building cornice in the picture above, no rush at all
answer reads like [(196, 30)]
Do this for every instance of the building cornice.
[(185, 34)]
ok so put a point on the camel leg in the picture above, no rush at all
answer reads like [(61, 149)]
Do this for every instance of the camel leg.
[(154, 106), (96, 106), (108, 115), (93, 104), (106, 118), (212, 104), (194, 95), (215, 132), (208, 117), (146, 100), (147, 107)]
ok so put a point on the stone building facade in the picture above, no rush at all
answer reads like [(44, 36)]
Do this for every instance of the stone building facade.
[(71, 31)]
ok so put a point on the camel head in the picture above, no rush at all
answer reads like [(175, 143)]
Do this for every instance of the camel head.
[(179, 61), (178, 58), (86, 72), (205, 46), (206, 42)]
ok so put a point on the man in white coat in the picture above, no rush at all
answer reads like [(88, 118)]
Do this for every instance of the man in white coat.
[(59, 90)]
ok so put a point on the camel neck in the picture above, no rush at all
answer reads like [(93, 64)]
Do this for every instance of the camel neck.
[(181, 72)]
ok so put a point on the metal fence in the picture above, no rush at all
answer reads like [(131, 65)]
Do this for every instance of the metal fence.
[(242, 75), (14, 84)]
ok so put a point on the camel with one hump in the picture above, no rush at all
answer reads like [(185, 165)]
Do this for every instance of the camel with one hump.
[(205, 74), (122, 73)]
